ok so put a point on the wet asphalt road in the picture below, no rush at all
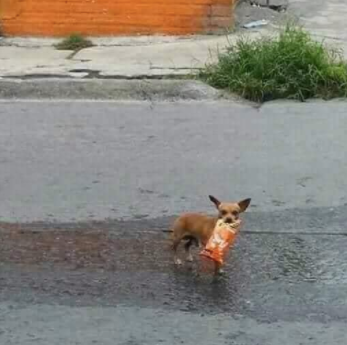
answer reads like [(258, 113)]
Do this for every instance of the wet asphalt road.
[(89, 189)]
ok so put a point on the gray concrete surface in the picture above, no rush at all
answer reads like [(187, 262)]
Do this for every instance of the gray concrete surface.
[(81, 160), (90, 187), (117, 58), (109, 89), (117, 325), (322, 18)]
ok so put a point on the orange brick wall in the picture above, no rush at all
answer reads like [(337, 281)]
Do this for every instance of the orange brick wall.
[(114, 17)]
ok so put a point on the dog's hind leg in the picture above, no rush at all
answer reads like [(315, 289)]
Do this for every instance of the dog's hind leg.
[(187, 247), (176, 243)]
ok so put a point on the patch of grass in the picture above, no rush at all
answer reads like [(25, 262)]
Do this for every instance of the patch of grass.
[(74, 42), (290, 66)]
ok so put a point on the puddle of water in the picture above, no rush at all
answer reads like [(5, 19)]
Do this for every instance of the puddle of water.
[(264, 273), (256, 258), (81, 249)]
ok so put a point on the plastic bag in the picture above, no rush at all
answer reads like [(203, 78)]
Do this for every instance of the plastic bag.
[(223, 236)]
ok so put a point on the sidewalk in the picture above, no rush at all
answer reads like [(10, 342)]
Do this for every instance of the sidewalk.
[(114, 57), (155, 57)]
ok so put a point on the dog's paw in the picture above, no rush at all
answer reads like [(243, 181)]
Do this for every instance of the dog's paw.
[(190, 258), (178, 262), (220, 272)]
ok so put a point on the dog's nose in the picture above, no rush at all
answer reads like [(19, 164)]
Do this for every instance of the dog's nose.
[(228, 220)]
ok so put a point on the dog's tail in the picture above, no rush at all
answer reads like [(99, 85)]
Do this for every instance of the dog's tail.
[(170, 237)]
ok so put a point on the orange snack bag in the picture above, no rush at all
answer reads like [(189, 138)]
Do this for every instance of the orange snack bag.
[(223, 236)]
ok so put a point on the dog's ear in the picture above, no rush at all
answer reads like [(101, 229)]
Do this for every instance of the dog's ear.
[(214, 200), (244, 204)]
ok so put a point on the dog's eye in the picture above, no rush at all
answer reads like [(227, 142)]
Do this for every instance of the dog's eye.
[(235, 213), (223, 212)]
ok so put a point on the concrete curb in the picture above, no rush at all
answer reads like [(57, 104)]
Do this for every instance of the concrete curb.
[(107, 89)]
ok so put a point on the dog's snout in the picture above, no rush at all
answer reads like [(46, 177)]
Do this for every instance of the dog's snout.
[(228, 220)]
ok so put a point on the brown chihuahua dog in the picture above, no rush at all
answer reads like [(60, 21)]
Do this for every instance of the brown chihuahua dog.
[(195, 228)]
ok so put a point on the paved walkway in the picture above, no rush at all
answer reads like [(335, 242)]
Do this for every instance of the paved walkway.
[(156, 56), (321, 17), (117, 57)]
